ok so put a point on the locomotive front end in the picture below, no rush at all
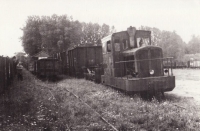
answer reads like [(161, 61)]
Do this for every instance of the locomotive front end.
[(132, 64), (145, 72)]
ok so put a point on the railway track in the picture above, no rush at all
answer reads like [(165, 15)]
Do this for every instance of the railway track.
[(81, 100), (131, 109), (88, 106)]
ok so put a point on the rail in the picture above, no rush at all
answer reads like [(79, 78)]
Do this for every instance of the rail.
[(81, 100)]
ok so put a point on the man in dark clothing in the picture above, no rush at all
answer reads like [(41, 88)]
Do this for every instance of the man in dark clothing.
[(19, 71)]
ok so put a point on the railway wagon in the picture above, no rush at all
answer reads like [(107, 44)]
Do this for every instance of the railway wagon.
[(47, 67), (132, 64), (194, 64), (175, 64), (83, 60), (167, 64), (62, 58), (181, 64)]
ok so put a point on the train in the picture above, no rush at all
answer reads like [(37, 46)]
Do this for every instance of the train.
[(132, 64), (125, 60), (45, 68), (84, 61)]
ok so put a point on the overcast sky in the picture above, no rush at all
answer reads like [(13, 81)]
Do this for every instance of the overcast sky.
[(182, 16)]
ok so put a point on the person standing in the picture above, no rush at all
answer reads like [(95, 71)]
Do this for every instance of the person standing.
[(19, 71)]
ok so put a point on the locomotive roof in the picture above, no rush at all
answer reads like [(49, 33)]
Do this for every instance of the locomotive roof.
[(109, 37), (138, 32), (106, 38), (47, 59), (134, 50)]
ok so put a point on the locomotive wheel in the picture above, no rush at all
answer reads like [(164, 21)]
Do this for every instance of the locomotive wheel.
[(160, 95), (146, 95), (149, 95)]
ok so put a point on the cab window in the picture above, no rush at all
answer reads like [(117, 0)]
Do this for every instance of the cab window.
[(132, 43), (143, 42), (104, 49), (117, 45), (108, 46), (125, 44)]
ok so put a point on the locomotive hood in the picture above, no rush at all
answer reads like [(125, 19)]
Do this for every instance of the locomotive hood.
[(134, 51)]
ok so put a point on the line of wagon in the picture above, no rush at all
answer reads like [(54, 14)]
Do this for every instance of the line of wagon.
[(125, 60)]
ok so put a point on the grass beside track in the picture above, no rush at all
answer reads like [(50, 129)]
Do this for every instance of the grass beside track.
[(36, 105)]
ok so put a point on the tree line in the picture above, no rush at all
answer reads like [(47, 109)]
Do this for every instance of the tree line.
[(172, 44), (58, 33)]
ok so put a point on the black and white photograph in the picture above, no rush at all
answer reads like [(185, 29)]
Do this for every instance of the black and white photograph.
[(99, 65)]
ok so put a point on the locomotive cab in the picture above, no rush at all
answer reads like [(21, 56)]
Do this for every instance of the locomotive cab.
[(131, 63), (125, 46)]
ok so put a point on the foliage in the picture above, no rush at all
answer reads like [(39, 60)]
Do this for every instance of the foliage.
[(171, 43), (58, 33), (31, 39), (36, 105), (20, 56), (155, 34), (193, 46)]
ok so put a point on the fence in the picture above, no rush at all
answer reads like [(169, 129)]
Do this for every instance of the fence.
[(7, 72), (194, 64)]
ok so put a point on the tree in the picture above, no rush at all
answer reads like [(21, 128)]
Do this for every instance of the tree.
[(20, 56), (155, 34), (54, 32), (44, 33), (193, 46), (75, 33), (171, 43), (31, 40), (92, 33), (58, 33)]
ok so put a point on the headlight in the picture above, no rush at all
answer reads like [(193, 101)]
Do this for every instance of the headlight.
[(151, 72), (166, 70)]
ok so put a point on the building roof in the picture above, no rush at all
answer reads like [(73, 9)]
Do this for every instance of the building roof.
[(188, 57), (41, 54), (84, 46)]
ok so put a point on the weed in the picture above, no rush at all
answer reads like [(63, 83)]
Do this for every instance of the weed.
[(37, 105)]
